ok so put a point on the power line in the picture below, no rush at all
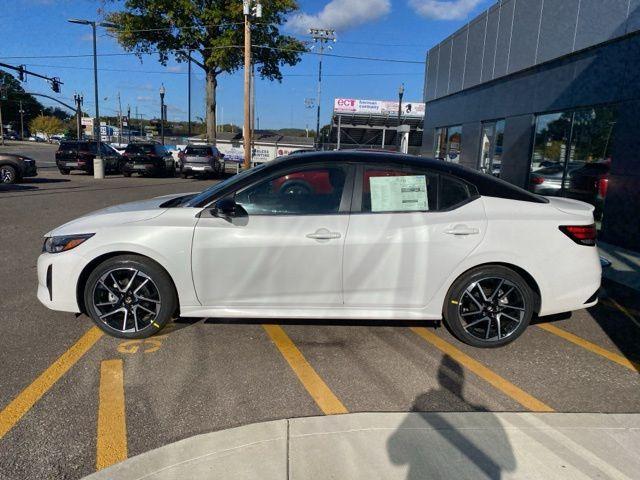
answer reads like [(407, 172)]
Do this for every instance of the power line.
[(292, 50), (165, 72)]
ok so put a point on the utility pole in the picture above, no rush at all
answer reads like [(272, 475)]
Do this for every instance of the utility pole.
[(398, 134), (78, 99), (249, 11), (162, 92), (119, 120), (320, 36), (21, 111), (189, 99), (3, 97), (129, 123)]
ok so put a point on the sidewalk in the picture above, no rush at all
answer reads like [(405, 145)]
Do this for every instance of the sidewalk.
[(403, 446), (625, 265)]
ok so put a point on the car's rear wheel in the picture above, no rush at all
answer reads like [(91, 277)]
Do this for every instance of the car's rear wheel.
[(489, 306), (8, 174), (64, 171), (130, 297)]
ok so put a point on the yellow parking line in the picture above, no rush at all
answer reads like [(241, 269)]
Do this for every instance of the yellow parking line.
[(592, 347), (20, 405), (505, 386), (319, 391), (112, 429)]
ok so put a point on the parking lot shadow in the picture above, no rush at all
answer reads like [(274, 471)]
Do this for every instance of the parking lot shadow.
[(30, 184), (433, 447)]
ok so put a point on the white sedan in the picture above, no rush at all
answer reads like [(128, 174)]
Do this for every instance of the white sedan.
[(331, 236)]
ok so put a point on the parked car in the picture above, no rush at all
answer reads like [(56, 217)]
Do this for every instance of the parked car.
[(13, 168), (589, 183), (426, 240), (200, 160), (36, 139), (548, 180), (147, 158), (79, 155)]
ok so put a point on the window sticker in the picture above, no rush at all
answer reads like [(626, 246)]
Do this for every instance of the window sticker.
[(399, 194)]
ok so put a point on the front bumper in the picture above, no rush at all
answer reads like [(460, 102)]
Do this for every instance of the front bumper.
[(58, 275), (29, 169)]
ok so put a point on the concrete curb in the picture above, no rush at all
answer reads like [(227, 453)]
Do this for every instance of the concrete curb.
[(403, 446)]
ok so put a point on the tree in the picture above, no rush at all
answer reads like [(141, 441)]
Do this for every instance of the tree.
[(47, 125), (11, 107), (213, 31)]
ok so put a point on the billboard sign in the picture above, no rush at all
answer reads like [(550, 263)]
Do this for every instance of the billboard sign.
[(377, 107)]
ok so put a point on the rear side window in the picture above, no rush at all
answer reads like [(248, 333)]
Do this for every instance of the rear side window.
[(398, 189), (453, 192)]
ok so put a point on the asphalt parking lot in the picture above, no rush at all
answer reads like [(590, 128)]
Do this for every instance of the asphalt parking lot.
[(73, 400)]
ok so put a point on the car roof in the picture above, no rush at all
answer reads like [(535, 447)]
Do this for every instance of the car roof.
[(487, 185)]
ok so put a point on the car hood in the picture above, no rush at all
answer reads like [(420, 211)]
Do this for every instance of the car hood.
[(116, 215)]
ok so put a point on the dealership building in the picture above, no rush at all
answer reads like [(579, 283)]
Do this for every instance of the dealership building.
[(546, 95)]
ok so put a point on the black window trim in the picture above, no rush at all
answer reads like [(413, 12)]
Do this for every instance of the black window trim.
[(345, 201), (356, 201)]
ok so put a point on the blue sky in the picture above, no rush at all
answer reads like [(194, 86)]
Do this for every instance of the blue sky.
[(400, 29)]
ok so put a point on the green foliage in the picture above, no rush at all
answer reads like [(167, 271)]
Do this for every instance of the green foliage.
[(211, 33), (213, 29), (47, 125), (11, 106)]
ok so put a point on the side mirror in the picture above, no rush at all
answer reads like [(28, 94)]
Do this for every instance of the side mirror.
[(227, 208)]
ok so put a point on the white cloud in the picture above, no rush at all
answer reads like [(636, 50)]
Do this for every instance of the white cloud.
[(341, 15), (444, 9), (175, 68)]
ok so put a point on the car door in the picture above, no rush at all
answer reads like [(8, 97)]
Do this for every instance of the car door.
[(286, 251), (410, 228)]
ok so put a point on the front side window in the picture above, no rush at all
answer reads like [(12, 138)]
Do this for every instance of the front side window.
[(398, 189), (314, 190)]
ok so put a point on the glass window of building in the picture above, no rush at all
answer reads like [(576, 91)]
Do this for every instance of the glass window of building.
[(448, 143), (572, 155), (491, 143)]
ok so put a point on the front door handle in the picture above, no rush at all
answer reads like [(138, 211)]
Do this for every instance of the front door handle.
[(462, 230), (323, 234)]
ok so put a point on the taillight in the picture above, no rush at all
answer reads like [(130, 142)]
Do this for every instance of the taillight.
[(581, 234), (537, 180), (602, 185)]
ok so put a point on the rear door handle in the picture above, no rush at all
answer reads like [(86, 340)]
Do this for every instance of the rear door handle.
[(323, 234), (462, 230)]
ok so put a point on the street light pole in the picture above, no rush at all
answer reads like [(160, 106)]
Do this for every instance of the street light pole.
[(320, 36), (98, 162), (189, 99), (400, 95), (249, 10), (21, 122), (162, 92)]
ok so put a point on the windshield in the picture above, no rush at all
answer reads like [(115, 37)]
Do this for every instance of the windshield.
[(211, 191)]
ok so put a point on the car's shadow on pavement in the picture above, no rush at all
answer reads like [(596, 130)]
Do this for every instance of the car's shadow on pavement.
[(30, 184)]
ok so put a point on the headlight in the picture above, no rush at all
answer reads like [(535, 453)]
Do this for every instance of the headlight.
[(64, 242)]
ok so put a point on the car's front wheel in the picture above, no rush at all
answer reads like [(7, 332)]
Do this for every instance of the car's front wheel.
[(489, 306), (8, 174), (130, 297)]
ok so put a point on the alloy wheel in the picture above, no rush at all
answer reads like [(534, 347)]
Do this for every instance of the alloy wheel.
[(491, 308), (126, 300), (7, 174)]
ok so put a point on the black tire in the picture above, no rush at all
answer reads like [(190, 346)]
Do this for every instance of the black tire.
[(8, 174), (184, 175), (65, 171), (109, 288), (489, 306), (126, 174)]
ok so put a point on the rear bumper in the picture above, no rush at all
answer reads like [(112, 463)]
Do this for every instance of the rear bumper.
[(197, 168), (147, 168), (74, 165)]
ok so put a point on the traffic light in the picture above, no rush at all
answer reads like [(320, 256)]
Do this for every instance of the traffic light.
[(21, 74), (55, 85)]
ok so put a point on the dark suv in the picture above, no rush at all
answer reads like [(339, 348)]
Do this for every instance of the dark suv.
[(79, 155), (200, 160), (148, 158)]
